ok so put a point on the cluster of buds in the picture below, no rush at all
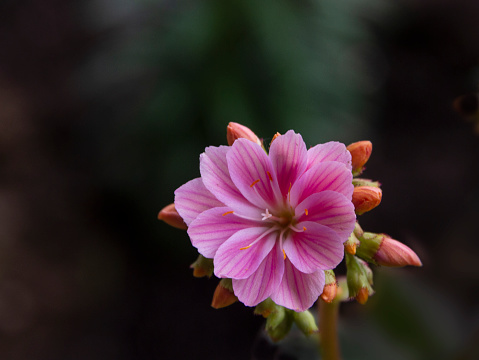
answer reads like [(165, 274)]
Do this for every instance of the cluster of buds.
[(362, 247)]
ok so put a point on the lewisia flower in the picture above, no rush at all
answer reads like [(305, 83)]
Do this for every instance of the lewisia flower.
[(272, 223)]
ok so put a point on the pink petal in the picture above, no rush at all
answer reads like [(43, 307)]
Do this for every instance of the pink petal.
[(331, 209), (216, 178), (298, 291), (329, 175), (330, 151), (318, 247), (289, 155), (263, 282), (192, 198), (213, 227), (248, 163), (232, 262)]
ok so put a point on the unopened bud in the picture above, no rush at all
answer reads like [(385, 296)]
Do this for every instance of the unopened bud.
[(202, 267), (265, 308), (305, 322), (360, 153), (358, 279), (366, 182), (236, 131), (330, 287), (366, 198), (358, 231), (224, 295), (351, 244), (279, 323), (395, 254), (170, 216)]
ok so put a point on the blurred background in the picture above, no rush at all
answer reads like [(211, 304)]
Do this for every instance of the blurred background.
[(105, 107)]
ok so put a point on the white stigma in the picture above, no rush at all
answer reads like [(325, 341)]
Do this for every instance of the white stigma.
[(266, 215)]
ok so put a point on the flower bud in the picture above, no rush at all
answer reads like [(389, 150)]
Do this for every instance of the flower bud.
[(359, 279), (279, 323), (330, 288), (266, 307), (305, 322), (380, 249), (351, 244), (224, 295), (366, 198), (202, 267), (235, 131), (395, 254), (360, 153), (170, 216)]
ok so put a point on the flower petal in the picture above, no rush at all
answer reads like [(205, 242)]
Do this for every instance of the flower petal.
[(213, 227), (329, 175), (318, 247), (331, 209), (216, 178), (252, 173), (192, 198), (330, 151), (298, 291), (235, 260), (288, 154), (263, 282)]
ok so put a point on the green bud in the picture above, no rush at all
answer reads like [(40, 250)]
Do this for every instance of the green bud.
[(266, 307), (351, 244), (202, 267), (279, 323), (358, 279), (305, 322)]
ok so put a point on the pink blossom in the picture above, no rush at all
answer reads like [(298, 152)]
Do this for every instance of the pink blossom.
[(272, 223)]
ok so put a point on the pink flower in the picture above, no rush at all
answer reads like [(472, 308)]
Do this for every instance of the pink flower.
[(272, 223)]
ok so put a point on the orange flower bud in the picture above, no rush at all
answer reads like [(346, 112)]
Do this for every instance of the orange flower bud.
[(170, 216), (360, 153), (393, 253), (223, 295), (366, 198), (202, 267), (351, 244), (235, 131)]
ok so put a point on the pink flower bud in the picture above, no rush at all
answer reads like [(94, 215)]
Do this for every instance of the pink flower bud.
[(366, 198), (223, 295), (393, 253), (170, 216), (235, 131), (360, 153)]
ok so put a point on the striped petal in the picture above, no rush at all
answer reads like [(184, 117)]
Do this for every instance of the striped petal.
[(329, 175), (331, 209), (216, 178), (253, 174), (236, 259), (288, 154), (298, 291), (318, 247), (263, 282), (330, 151), (213, 227), (192, 198)]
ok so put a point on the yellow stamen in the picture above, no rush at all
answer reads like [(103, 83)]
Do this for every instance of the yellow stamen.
[(246, 247), (254, 182), (269, 174), (284, 255), (228, 212), (304, 229), (306, 212)]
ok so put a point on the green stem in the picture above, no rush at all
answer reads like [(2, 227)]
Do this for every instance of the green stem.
[(328, 320)]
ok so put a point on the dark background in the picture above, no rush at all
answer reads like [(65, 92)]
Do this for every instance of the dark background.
[(106, 105)]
